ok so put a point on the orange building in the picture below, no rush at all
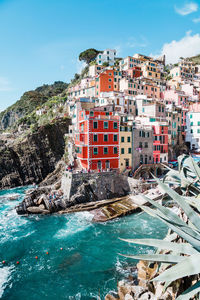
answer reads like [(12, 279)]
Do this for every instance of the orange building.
[(105, 82)]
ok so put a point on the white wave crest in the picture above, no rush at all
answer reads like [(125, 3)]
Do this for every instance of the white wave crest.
[(5, 275), (77, 222)]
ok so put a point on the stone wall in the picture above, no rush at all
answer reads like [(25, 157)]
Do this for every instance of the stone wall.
[(84, 187)]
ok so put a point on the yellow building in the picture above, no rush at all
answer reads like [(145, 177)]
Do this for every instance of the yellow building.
[(151, 69), (125, 146)]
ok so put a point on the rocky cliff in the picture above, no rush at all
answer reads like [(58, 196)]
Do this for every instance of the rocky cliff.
[(73, 189), (30, 159)]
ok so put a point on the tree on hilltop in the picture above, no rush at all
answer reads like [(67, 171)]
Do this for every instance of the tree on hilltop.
[(88, 55)]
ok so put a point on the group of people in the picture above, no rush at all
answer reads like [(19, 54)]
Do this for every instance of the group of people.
[(53, 196)]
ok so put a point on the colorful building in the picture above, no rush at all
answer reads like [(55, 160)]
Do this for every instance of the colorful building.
[(97, 140), (160, 150), (107, 56), (105, 82)]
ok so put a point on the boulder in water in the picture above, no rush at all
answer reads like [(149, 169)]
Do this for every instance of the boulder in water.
[(36, 210)]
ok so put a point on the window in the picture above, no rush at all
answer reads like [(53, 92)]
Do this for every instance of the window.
[(105, 150), (105, 138), (140, 144), (198, 130), (128, 139), (115, 125), (129, 150), (122, 150), (198, 123), (146, 145), (110, 79), (95, 151), (109, 87), (191, 124), (122, 139), (191, 131), (91, 113), (115, 150), (95, 137), (115, 137), (190, 116), (95, 125), (105, 125)]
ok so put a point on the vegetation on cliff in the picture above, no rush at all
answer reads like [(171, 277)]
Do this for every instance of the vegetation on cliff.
[(29, 102), (195, 59)]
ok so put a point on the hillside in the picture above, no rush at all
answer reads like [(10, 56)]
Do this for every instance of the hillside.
[(195, 59), (30, 101)]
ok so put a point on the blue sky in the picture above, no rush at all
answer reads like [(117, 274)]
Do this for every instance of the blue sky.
[(40, 40)]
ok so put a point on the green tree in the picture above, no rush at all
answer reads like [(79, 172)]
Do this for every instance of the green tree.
[(105, 64), (88, 55)]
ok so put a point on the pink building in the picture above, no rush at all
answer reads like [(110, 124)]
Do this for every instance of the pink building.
[(174, 96)]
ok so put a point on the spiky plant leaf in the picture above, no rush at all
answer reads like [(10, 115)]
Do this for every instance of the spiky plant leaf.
[(191, 214), (167, 215), (163, 258), (183, 248), (190, 292), (193, 241), (187, 267)]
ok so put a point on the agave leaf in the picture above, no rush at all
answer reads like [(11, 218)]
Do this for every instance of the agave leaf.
[(171, 217), (163, 258), (193, 166), (181, 160), (182, 180), (184, 248), (193, 202), (186, 267), (190, 292), (191, 214), (166, 211), (190, 239)]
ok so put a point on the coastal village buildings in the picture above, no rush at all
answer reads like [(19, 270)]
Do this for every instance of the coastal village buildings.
[(108, 56), (193, 130), (97, 140), (125, 113)]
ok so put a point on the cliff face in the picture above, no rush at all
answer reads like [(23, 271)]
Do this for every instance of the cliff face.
[(31, 159)]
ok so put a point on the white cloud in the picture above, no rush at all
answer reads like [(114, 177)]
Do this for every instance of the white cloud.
[(188, 46), (187, 9), (4, 85), (197, 20)]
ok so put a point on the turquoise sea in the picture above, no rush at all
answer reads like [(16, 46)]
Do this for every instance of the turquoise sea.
[(89, 265)]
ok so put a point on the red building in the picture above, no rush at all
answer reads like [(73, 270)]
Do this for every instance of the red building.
[(105, 82), (97, 140), (160, 144), (134, 72)]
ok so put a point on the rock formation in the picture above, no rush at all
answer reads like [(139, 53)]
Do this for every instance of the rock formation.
[(30, 159)]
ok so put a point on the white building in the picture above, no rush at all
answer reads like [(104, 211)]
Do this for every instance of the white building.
[(193, 130), (108, 56), (94, 70)]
